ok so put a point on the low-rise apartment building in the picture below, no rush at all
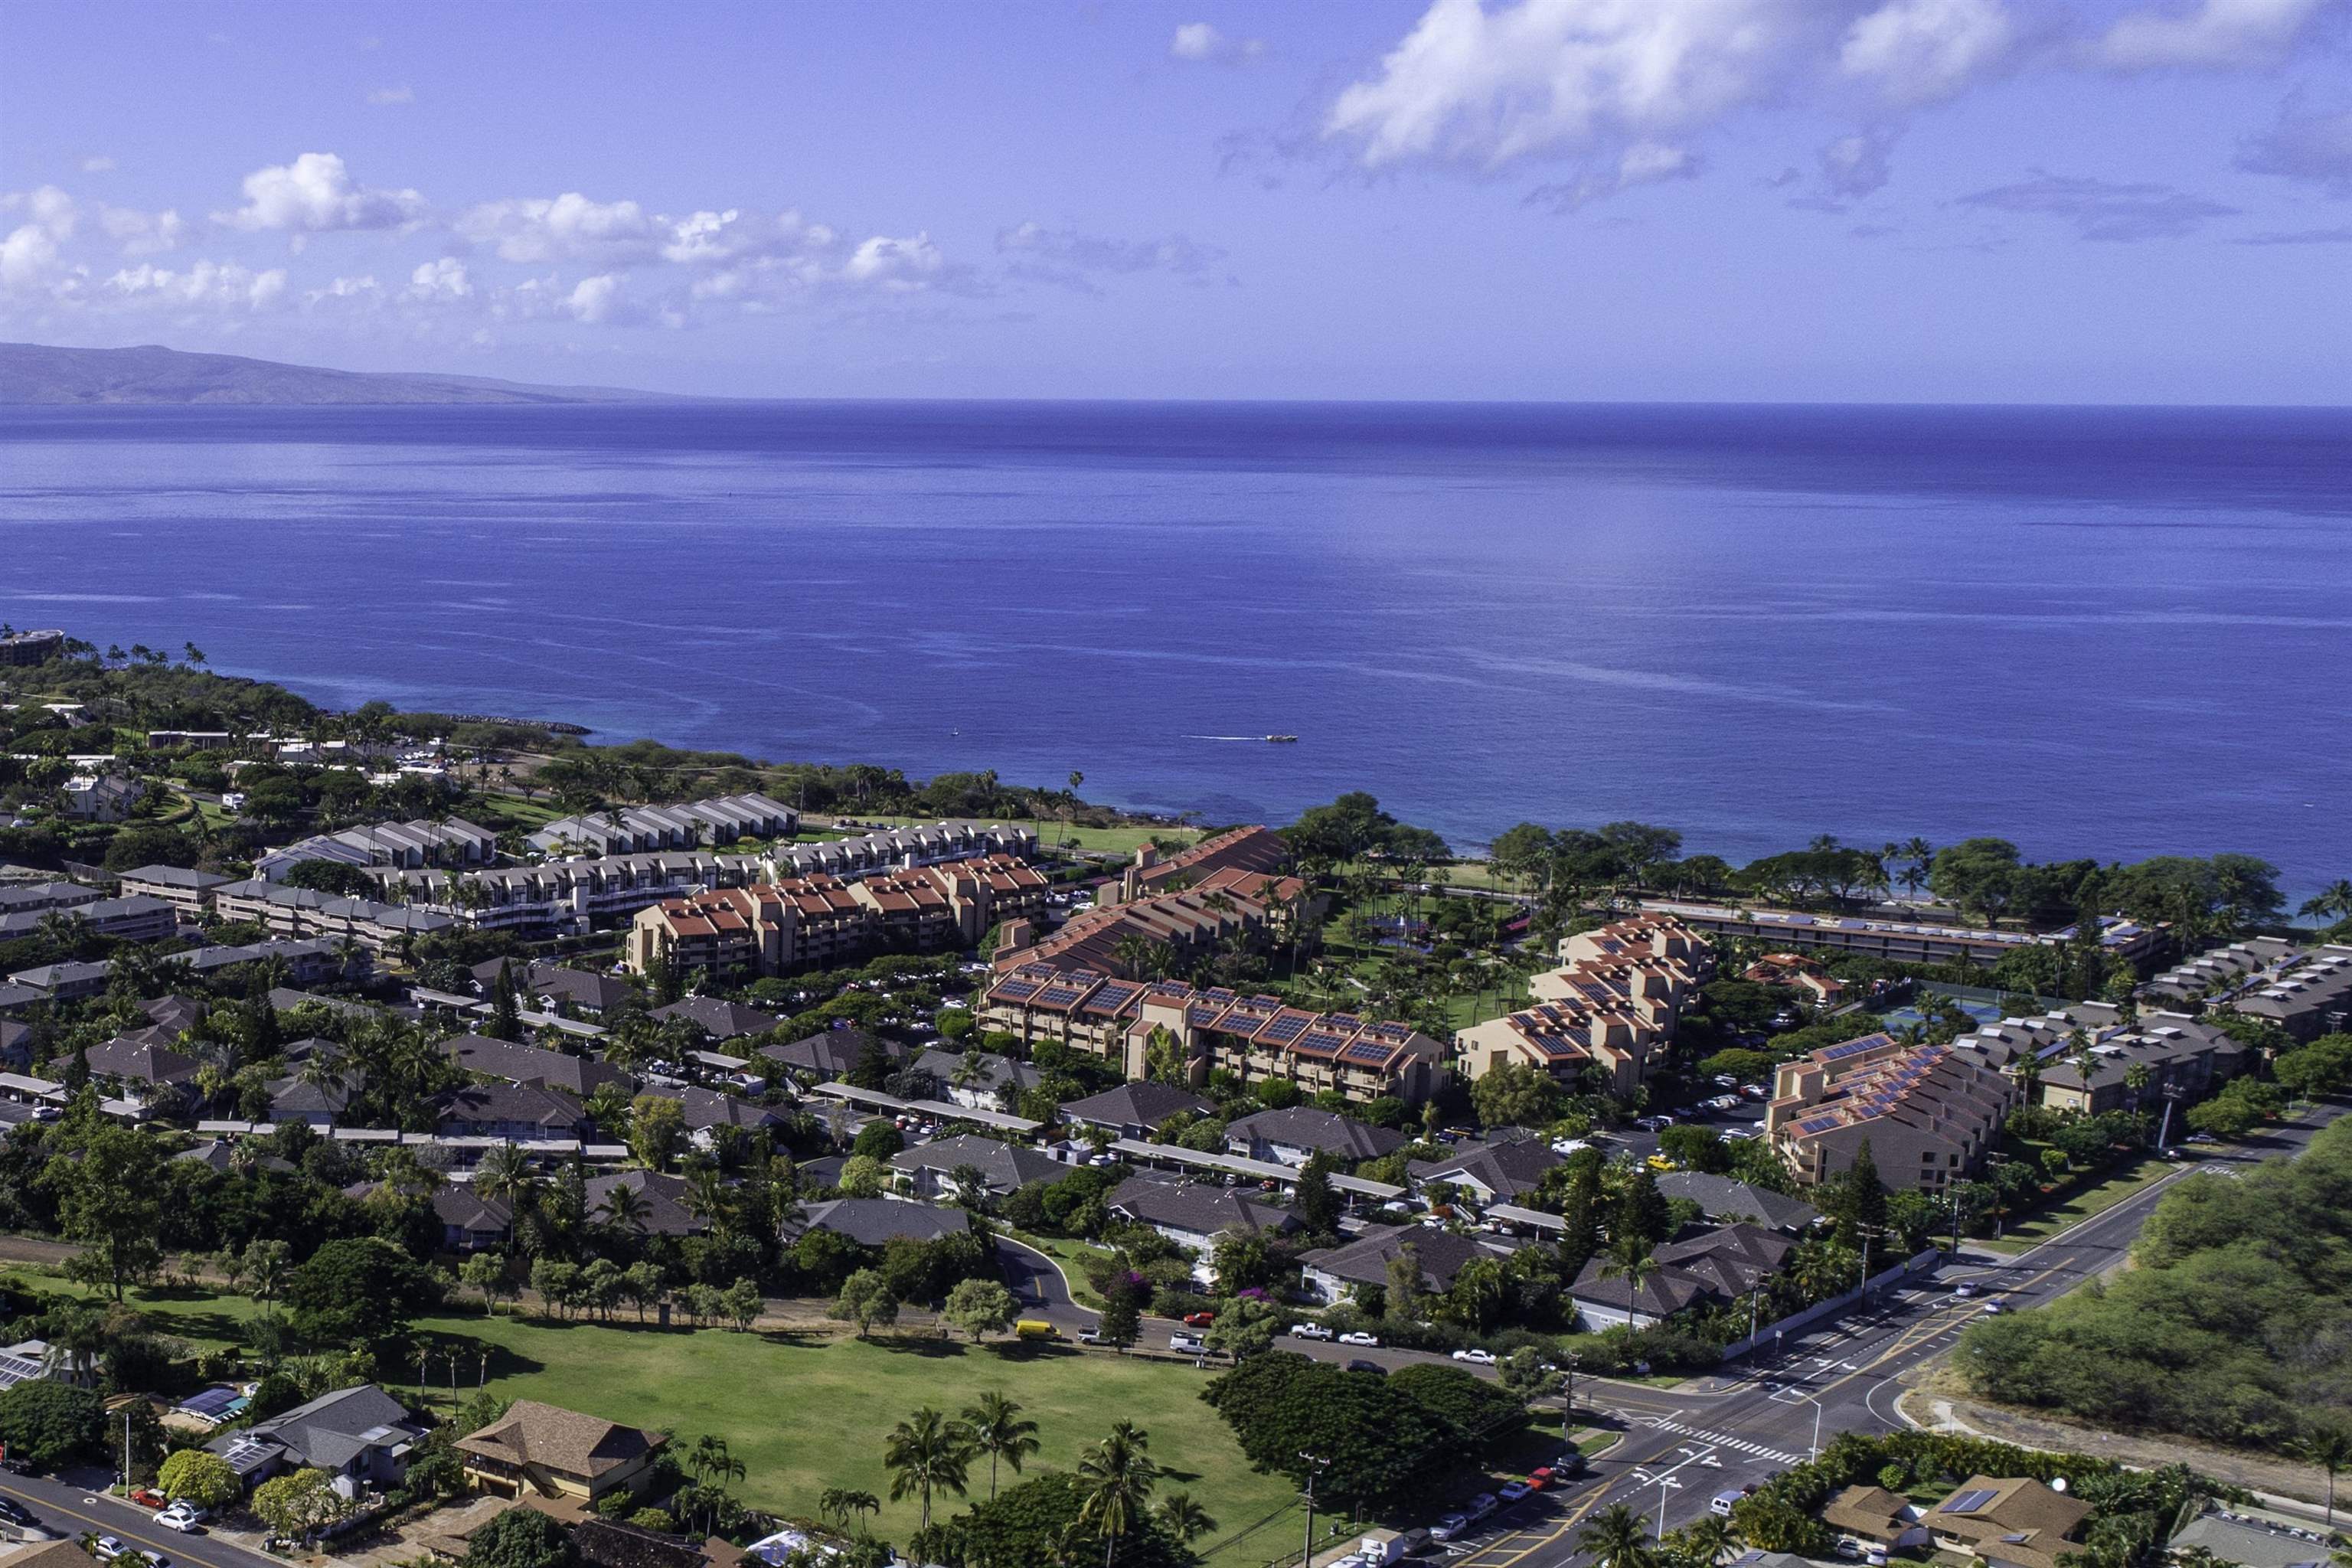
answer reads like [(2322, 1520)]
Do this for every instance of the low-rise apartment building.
[(640, 829), (1567, 1039), (1214, 1029), (190, 893), (402, 846), (2308, 995), (898, 849), (104, 797), (305, 912), (2085, 1054), (1617, 996), (1930, 1113), (1178, 927), (1259, 850), (1902, 941), (2219, 968), (133, 919), (816, 922)]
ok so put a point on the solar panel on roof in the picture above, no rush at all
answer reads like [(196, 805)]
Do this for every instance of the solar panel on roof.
[(1968, 1502), (1284, 1027), (212, 1401)]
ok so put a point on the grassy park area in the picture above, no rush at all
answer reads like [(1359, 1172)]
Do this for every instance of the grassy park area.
[(805, 1412)]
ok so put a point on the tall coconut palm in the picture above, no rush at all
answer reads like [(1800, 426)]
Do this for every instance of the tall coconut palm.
[(1708, 1538), (2328, 1449), (622, 1211), (837, 1504), (1615, 1539), (994, 1425), (504, 1172), (1117, 1475), (2332, 902), (926, 1454)]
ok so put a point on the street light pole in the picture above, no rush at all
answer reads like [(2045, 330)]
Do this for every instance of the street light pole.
[(1313, 1466)]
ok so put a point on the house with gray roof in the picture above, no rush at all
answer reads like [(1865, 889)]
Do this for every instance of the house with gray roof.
[(1291, 1137), (977, 1080), (928, 1168), (1488, 1172), (532, 1064), (320, 1105), (657, 1200), (877, 1222), (720, 1020), (1330, 1273), (1134, 1110), (521, 1113), (358, 1435), (831, 1054), (1725, 1199), (1192, 1214), (2251, 1542)]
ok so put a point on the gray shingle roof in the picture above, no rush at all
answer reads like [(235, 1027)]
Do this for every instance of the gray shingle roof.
[(1140, 1104), (1303, 1127), (872, 1222)]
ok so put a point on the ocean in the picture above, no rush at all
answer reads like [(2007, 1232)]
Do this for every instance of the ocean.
[(2109, 632)]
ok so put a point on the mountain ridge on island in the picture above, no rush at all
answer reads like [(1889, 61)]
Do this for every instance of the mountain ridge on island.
[(37, 373)]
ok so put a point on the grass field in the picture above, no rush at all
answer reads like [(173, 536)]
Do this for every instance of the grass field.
[(1123, 840), (806, 1413), (2083, 1203)]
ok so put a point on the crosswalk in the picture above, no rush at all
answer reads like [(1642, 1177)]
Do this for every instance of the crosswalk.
[(1724, 1441)]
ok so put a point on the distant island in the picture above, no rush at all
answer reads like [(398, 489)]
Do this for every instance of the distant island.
[(37, 373)]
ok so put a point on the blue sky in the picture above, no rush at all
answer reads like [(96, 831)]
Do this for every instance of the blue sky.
[(1961, 200)]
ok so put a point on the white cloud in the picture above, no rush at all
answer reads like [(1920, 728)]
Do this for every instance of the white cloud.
[(1924, 50), (2214, 33), (385, 97), (315, 195), (97, 163), (594, 300), (27, 256), (1641, 163), (532, 229), (1858, 164), (711, 238), (1580, 78), (1052, 251), (364, 290), (898, 264), (1201, 42), (440, 282), (142, 234), (206, 284)]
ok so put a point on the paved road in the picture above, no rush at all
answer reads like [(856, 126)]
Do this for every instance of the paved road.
[(1842, 1377), (65, 1510)]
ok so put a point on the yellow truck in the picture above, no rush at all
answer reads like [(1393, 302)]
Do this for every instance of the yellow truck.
[(1035, 1329)]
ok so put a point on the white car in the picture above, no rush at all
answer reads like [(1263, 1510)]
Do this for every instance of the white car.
[(1451, 1525), (1309, 1332), (1360, 1338), (106, 1549), (1990, 1309), (1964, 1289), (184, 1517), (1482, 1358)]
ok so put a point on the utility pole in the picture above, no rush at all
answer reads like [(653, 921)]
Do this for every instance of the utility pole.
[(1315, 1466), (1568, 1416)]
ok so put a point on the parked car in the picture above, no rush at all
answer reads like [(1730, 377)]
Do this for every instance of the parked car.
[(183, 1516), (1512, 1492), (106, 1549), (1725, 1081), (1660, 1162), (13, 1511), (1375, 1368), (1191, 1344), (1482, 1358), (1309, 1332), (1199, 1320), (1360, 1338), (1849, 1548), (1720, 1505), (147, 1497), (1482, 1505), (1450, 1526), (1964, 1289), (1570, 1463), (1090, 1336)]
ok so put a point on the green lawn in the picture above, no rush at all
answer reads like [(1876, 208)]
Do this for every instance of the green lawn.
[(807, 1414), (497, 810), (2083, 1203), (1119, 841)]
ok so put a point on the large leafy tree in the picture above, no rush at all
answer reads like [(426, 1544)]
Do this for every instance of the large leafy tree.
[(49, 1424), (357, 1290), (110, 1188), (522, 1538)]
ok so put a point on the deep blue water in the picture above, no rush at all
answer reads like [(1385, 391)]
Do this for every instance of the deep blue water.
[(2095, 631)]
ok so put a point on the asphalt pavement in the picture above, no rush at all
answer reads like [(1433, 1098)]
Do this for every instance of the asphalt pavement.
[(1684, 1446), (66, 1509)]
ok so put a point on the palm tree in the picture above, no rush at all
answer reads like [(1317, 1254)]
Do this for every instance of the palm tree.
[(504, 1172), (714, 1465), (1630, 1261), (622, 1211), (2136, 1078), (2335, 901), (1117, 1475), (1182, 1518), (996, 1429), (1707, 1538), (837, 1503), (1615, 1539), (925, 1453), (2329, 1448)]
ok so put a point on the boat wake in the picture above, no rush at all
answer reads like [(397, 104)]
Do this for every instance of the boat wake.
[(1224, 737)]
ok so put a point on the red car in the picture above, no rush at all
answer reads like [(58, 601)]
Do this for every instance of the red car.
[(1538, 1479), (1199, 1320), (147, 1498)]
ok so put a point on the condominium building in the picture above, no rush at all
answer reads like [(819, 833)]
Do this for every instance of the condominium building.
[(2308, 995), (2085, 1054), (1930, 1113), (31, 647), (1902, 941), (817, 922), (1617, 997), (2219, 968), (305, 912), (1214, 1029), (190, 893), (404, 845), (132, 919), (642, 829), (1226, 905), (1253, 849)]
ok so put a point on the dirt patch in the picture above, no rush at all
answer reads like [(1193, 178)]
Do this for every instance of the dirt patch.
[(2033, 1429)]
